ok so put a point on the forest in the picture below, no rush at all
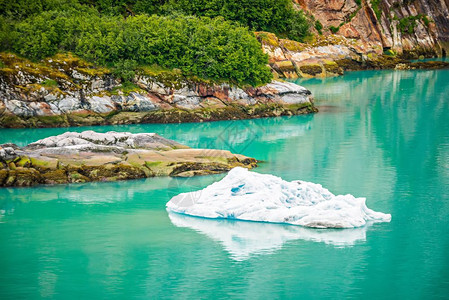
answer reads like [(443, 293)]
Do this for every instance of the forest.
[(209, 39)]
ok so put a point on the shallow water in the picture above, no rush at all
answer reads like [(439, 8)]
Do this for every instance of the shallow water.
[(383, 135)]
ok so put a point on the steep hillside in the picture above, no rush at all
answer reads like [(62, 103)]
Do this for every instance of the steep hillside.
[(409, 27)]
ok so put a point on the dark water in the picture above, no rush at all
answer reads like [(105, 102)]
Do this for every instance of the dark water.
[(383, 135)]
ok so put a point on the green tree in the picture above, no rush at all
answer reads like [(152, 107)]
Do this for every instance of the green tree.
[(208, 48)]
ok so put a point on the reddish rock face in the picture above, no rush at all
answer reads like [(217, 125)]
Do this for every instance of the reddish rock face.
[(381, 26), (329, 12), (363, 26)]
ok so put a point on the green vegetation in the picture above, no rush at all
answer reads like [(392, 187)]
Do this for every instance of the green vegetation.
[(49, 83), (319, 27), (126, 88), (276, 16), (389, 52), (210, 39), (334, 29), (408, 24), (375, 4), (213, 49)]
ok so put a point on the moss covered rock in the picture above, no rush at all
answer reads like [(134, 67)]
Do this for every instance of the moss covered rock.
[(57, 176), (90, 156)]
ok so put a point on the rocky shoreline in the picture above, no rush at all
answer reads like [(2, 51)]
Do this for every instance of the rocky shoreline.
[(331, 56), (67, 91), (231, 112), (90, 156)]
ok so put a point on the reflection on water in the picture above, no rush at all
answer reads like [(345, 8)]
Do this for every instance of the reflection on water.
[(244, 239), (234, 135)]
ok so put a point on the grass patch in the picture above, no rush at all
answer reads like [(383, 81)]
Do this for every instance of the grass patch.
[(127, 88), (268, 38), (49, 83)]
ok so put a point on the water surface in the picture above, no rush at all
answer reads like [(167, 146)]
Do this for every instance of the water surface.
[(383, 135)]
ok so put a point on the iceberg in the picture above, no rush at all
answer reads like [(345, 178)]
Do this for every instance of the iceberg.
[(250, 196), (242, 240)]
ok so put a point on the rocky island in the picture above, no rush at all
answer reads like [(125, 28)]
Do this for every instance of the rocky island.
[(91, 156)]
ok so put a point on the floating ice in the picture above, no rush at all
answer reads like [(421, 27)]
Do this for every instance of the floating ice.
[(245, 195), (246, 239)]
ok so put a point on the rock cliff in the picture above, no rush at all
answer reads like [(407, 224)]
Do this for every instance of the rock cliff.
[(411, 27), (361, 35), (67, 91), (330, 56), (91, 156)]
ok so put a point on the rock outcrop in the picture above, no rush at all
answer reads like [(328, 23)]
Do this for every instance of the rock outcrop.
[(418, 27), (361, 35), (67, 91), (91, 156), (330, 56)]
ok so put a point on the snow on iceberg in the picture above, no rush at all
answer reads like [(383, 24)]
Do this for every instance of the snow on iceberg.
[(250, 196)]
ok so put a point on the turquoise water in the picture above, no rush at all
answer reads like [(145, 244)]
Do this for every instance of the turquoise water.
[(383, 135)]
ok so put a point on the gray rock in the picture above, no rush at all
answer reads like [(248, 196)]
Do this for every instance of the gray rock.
[(238, 94), (152, 86), (94, 141), (139, 102), (186, 102), (7, 153), (101, 104), (54, 108), (19, 108), (286, 91), (40, 108), (69, 104), (79, 76), (97, 85), (135, 102), (50, 98)]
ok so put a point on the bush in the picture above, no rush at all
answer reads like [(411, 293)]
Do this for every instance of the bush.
[(125, 69), (208, 48), (376, 5), (21, 9), (276, 16), (319, 27), (334, 29)]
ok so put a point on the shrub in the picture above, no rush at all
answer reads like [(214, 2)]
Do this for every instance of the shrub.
[(276, 16), (334, 29), (375, 4), (319, 27), (208, 48)]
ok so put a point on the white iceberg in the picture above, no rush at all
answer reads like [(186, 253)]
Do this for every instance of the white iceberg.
[(250, 196), (246, 239)]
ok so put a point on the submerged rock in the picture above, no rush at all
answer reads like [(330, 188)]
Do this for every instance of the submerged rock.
[(93, 156), (244, 195)]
